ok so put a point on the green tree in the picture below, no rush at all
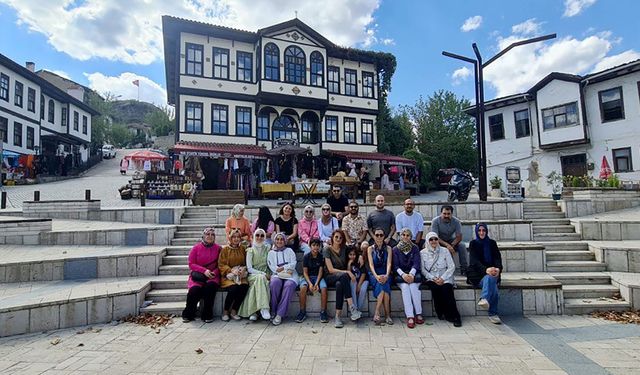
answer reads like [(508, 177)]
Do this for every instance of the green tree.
[(445, 134), (395, 134), (120, 135), (160, 120)]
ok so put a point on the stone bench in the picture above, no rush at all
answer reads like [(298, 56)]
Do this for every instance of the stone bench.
[(211, 197)]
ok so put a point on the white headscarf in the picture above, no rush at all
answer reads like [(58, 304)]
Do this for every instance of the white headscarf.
[(428, 237)]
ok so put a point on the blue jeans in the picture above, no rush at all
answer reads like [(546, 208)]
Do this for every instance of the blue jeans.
[(361, 294), (303, 282), (489, 286)]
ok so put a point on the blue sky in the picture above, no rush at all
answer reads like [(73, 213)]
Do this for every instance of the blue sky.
[(106, 45)]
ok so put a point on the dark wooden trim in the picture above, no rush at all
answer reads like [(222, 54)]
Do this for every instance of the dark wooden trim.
[(613, 159), (186, 53), (576, 142), (602, 120), (216, 94), (250, 123), (344, 130), (18, 115), (186, 104), (362, 111), (515, 122), (227, 110), (213, 63)]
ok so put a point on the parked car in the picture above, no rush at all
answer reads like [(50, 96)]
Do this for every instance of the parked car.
[(108, 152)]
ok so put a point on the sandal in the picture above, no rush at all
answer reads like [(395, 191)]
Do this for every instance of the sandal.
[(419, 319), (376, 320), (411, 323), (389, 321)]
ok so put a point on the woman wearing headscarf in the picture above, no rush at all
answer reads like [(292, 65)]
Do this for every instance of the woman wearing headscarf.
[(437, 269), (406, 263), (307, 228), (380, 256), (203, 264), (265, 222), (257, 298), (233, 271), (237, 221), (284, 278), (485, 268)]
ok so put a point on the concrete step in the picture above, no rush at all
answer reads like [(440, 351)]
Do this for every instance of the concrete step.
[(589, 291), (571, 255), (204, 222), (553, 229), (174, 308), (547, 202), (581, 266), (185, 241), (172, 260), (541, 209), (564, 245), (200, 213), (168, 295), (197, 227), (178, 250), (544, 215), (193, 234), (581, 306), (175, 269), (170, 282), (557, 237), (549, 222), (582, 278)]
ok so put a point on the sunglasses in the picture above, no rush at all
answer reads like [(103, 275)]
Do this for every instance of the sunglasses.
[(308, 212), (432, 239), (379, 234), (326, 209), (352, 207), (259, 235), (336, 191)]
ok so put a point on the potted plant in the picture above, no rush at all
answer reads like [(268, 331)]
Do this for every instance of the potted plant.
[(554, 179), (496, 184)]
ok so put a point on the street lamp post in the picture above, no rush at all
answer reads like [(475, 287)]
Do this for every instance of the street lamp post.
[(478, 67)]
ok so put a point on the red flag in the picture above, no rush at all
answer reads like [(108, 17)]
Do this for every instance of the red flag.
[(136, 82)]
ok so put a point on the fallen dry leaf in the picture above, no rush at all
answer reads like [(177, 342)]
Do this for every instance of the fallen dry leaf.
[(624, 317), (151, 320), (80, 332), (199, 351), (56, 341)]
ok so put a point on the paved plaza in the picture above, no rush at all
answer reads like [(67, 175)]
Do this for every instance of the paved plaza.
[(536, 345)]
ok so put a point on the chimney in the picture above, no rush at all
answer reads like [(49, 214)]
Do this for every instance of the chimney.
[(31, 66)]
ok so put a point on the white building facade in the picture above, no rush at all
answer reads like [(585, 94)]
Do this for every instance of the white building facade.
[(36, 117), (567, 123), (286, 81)]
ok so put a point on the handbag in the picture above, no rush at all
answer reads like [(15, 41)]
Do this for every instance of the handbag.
[(200, 277)]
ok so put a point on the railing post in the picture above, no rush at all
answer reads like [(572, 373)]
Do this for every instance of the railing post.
[(36, 196), (143, 193), (87, 195), (3, 200)]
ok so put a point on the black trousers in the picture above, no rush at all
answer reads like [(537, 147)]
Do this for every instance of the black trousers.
[(444, 301), (207, 293), (342, 282), (235, 296)]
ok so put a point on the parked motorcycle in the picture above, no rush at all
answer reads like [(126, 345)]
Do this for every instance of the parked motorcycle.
[(460, 186)]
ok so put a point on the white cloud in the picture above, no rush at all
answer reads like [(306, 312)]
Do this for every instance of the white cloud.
[(123, 87), (131, 31), (471, 23), (574, 7), (522, 67), (460, 75), (528, 27), (388, 42), (615, 60)]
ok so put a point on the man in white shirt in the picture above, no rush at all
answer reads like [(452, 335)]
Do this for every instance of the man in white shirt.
[(413, 220)]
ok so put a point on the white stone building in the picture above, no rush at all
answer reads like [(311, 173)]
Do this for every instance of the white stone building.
[(36, 117), (567, 123)]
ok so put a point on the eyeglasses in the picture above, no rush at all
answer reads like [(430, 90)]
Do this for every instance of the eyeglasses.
[(308, 212), (379, 234), (326, 209), (336, 191), (352, 207), (432, 239), (259, 235)]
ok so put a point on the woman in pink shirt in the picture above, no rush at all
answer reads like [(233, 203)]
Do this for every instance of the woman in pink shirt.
[(203, 258), (307, 228)]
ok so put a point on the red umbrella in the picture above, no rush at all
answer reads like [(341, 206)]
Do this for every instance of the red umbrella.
[(605, 169), (145, 155)]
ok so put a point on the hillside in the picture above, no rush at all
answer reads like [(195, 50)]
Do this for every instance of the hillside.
[(131, 111)]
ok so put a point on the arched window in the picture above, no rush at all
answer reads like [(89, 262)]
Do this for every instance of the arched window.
[(317, 69), (285, 127), (271, 62), (309, 128), (294, 65), (51, 112)]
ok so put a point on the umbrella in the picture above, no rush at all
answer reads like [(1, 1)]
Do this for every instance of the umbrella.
[(146, 155), (605, 169)]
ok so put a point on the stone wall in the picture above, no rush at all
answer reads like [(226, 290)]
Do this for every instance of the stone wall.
[(602, 230), (598, 200), (71, 209), (617, 257), (116, 237), (23, 231)]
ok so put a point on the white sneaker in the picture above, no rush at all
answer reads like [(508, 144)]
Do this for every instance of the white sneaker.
[(265, 314), (225, 318), (277, 320), (253, 317), (355, 313), (495, 319), (483, 303)]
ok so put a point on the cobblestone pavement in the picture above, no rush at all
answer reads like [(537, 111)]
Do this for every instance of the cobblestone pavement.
[(557, 345), (104, 180)]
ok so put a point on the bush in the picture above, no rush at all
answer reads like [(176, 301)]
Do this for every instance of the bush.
[(496, 182)]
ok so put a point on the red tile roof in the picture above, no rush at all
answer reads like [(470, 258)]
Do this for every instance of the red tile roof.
[(359, 157), (219, 150)]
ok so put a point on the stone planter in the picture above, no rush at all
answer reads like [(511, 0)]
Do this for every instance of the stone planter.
[(496, 193)]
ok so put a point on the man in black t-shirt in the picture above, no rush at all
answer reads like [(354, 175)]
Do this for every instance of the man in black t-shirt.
[(312, 281), (339, 203)]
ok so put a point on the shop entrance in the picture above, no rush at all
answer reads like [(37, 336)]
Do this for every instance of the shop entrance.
[(210, 170)]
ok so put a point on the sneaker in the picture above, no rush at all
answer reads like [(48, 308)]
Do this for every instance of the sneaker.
[(389, 321), (253, 317), (302, 315), (457, 323), (338, 322), (277, 320), (483, 303), (324, 318), (225, 317), (208, 320), (355, 313), (265, 314), (495, 319), (186, 320), (236, 317)]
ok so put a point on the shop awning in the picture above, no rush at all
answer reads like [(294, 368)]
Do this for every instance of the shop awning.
[(368, 157), (219, 150)]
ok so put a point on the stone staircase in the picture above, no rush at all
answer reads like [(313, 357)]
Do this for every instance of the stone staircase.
[(170, 293), (586, 286)]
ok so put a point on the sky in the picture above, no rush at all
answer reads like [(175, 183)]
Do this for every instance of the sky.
[(108, 44)]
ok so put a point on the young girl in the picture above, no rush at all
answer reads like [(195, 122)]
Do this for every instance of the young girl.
[(359, 282)]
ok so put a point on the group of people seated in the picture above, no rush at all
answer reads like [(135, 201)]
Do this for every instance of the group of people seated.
[(342, 250)]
